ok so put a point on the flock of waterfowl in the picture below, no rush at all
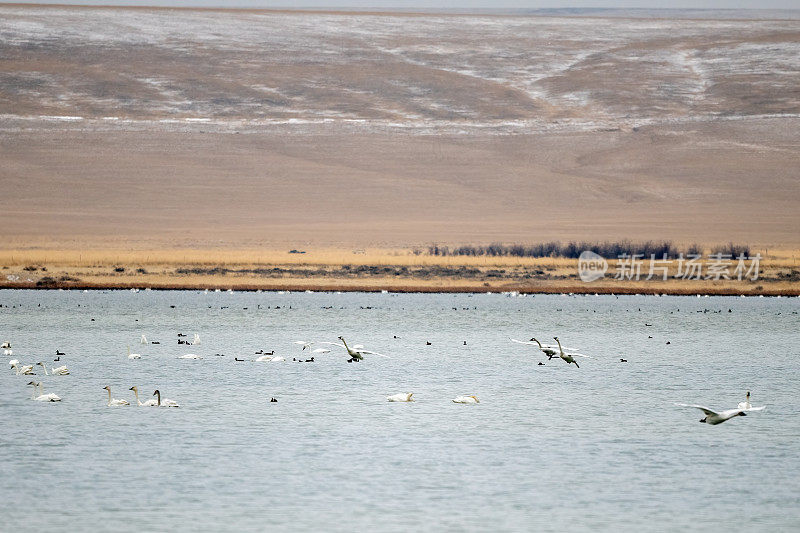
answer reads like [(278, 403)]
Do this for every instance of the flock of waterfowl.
[(355, 353)]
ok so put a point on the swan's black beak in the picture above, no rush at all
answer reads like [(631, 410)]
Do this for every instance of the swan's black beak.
[(702, 420), (742, 414)]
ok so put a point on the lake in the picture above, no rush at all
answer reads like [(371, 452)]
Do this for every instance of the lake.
[(549, 448)]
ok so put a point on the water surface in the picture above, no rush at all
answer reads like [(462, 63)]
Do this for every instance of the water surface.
[(549, 448)]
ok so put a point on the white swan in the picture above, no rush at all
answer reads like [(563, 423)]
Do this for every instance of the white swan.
[(402, 397), (166, 402), (320, 350), (189, 356), (305, 344), (196, 339), (41, 396), (713, 417), (568, 357), (133, 355), (263, 359), (26, 370), (6, 345), (745, 405), (8, 352), (143, 340), (149, 403), (113, 401), (356, 352), (466, 399), (55, 371)]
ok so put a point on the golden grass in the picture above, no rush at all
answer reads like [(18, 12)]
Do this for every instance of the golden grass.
[(321, 269)]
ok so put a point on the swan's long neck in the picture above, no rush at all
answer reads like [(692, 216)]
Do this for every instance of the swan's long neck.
[(158, 395), (45, 370), (539, 343), (136, 393), (109, 396), (559, 347), (747, 401), (34, 392), (347, 347)]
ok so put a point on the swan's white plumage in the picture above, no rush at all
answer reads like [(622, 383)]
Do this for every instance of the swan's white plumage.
[(401, 397), (466, 399)]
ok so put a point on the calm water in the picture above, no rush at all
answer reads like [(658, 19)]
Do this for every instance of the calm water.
[(548, 448)]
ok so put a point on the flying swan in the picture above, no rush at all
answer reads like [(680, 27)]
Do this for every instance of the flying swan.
[(356, 352), (713, 417), (568, 357)]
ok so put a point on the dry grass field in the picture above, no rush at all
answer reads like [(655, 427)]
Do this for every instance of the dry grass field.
[(370, 270)]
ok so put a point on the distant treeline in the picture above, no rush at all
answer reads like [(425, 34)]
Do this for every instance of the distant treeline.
[(572, 250)]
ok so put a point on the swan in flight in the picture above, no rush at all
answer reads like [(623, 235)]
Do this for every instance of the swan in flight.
[(305, 344), (466, 399), (547, 350), (568, 357), (55, 371), (166, 402), (189, 356), (40, 396), (149, 403), (402, 397), (143, 340), (356, 352), (745, 405), (25, 370), (713, 417), (133, 355), (114, 401)]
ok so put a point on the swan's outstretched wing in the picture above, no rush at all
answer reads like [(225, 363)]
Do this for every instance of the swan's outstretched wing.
[(332, 344), (706, 410), (523, 342), (374, 353), (761, 408), (578, 354)]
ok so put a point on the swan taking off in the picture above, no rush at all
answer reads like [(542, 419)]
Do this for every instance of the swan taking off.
[(149, 403), (57, 371), (402, 397), (166, 402), (466, 399), (745, 405), (356, 353), (568, 357), (548, 350), (133, 355), (113, 401), (713, 417), (189, 356), (40, 396)]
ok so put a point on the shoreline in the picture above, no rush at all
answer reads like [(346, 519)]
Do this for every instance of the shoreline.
[(588, 290)]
